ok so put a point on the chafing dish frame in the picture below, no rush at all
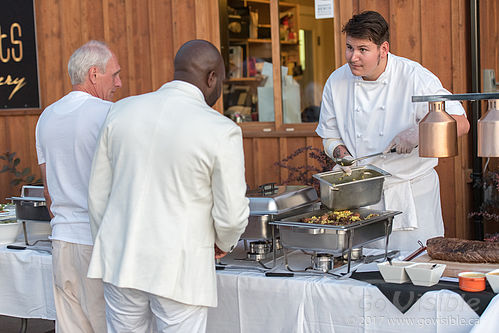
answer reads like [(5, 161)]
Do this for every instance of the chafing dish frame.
[(295, 234), (266, 208), (31, 207)]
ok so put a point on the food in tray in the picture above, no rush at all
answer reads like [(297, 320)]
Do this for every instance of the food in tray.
[(341, 217), (463, 250)]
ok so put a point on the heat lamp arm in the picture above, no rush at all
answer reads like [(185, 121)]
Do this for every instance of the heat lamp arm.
[(455, 97)]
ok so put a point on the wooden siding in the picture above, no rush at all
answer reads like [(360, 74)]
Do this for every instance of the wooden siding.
[(144, 34), (438, 38)]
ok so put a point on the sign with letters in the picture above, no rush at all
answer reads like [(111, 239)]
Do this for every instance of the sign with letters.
[(18, 60)]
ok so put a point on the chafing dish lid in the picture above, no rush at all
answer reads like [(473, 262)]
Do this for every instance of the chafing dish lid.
[(30, 193), (271, 199)]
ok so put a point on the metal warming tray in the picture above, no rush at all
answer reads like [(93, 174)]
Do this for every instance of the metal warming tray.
[(362, 188), (334, 239), (270, 202), (31, 206)]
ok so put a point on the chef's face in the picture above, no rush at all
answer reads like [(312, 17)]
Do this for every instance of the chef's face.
[(365, 58), (108, 82)]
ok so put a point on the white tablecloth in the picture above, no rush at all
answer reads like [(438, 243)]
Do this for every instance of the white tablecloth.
[(26, 284), (251, 302)]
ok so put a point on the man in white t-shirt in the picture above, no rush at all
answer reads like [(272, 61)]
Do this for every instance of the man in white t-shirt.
[(66, 136)]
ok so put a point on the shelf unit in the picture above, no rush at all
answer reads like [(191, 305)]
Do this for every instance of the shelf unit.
[(248, 42), (258, 43)]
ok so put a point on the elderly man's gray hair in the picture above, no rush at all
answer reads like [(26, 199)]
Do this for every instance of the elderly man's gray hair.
[(92, 53)]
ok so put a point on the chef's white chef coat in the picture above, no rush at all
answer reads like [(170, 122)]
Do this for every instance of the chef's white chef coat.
[(367, 115), (167, 183)]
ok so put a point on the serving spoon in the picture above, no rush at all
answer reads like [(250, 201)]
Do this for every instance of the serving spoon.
[(348, 162)]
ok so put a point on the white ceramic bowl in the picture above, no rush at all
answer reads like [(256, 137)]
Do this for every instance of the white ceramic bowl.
[(9, 232), (422, 274), (493, 279), (394, 273)]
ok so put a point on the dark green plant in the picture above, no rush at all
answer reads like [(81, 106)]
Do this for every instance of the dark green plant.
[(21, 177)]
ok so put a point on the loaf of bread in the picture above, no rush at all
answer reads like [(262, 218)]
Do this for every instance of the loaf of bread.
[(463, 250)]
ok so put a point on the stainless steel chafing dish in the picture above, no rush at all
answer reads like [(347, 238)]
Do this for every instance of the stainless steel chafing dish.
[(335, 239), (271, 202), (339, 191), (268, 203), (362, 188), (31, 207)]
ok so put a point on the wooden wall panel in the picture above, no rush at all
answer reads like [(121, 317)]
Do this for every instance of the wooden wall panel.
[(460, 84), (435, 21), (261, 154), (266, 154), (145, 36), (407, 42)]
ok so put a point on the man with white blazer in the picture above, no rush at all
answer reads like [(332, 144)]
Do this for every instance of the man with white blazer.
[(167, 197)]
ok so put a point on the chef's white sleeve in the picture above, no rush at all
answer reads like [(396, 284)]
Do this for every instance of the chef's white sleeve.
[(327, 127), (433, 86)]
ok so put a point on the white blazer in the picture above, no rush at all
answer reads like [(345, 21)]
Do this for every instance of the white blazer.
[(167, 183)]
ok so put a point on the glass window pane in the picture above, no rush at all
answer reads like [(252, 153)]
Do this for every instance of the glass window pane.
[(246, 45), (307, 57)]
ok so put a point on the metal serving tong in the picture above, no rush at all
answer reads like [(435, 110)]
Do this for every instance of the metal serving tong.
[(348, 162)]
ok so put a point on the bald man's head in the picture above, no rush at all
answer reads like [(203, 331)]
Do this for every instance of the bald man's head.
[(199, 62)]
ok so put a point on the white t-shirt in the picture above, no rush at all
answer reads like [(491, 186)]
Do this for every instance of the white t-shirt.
[(66, 137)]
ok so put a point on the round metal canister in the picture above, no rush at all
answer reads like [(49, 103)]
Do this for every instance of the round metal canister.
[(356, 254), (323, 262), (260, 247), (488, 131), (437, 132)]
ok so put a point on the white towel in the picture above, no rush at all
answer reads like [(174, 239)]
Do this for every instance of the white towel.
[(399, 197)]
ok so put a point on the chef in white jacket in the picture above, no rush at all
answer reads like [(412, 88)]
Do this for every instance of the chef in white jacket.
[(167, 196), (367, 108)]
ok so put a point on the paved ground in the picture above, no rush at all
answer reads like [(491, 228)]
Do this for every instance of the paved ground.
[(13, 325)]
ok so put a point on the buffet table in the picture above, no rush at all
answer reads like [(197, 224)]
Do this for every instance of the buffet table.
[(252, 302), (26, 284)]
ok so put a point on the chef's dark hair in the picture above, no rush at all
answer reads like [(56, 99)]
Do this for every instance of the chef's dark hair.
[(368, 25)]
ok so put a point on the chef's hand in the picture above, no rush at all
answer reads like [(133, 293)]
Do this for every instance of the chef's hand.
[(347, 169), (219, 253), (405, 141)]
